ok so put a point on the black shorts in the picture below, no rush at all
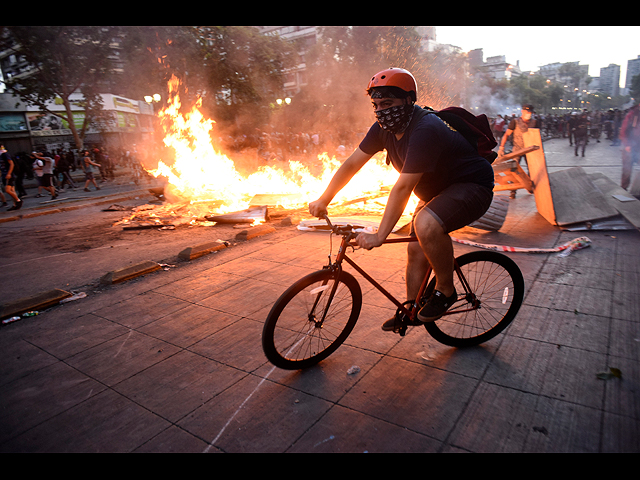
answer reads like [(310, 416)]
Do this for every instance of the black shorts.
[(457, 205), (47, 180)]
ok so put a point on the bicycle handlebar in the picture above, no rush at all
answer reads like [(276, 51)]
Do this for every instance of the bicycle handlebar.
[(348, 230)]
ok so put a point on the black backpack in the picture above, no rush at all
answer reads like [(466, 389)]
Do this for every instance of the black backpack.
[(475, 129)]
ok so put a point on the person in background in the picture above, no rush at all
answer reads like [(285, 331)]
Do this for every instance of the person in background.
[(581, 132), (630, 138), (9, 172), (517, 127), (88, 171), (47, 173)]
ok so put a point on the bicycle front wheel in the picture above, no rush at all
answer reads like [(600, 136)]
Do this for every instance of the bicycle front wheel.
[(496, 294), (311, 319)]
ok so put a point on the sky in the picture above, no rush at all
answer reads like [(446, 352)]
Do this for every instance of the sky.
[(595, 46)]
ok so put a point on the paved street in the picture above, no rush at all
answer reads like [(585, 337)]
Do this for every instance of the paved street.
[(172, 361)]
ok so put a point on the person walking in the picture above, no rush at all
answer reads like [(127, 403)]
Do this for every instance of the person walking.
[(9, 173), (630, 138), (88, 171), (581, 132), (47, 173), (63, 169)]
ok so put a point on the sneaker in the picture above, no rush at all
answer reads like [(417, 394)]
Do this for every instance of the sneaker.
[(436, 306), (393, 324), (86, 190)]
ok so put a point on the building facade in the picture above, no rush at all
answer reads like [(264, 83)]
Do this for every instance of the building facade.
[(633, 69), (122, 122), (610, 80)]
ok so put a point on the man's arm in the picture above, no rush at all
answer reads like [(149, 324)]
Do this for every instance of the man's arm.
[(345, 173), (504, 140), (10, 171), (398, 199)]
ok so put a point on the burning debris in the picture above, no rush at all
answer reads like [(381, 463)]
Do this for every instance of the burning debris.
[(204, 187)]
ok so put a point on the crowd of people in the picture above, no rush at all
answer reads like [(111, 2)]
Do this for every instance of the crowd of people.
[(53, 170), (620, 127), (588, 124), (275, 145)]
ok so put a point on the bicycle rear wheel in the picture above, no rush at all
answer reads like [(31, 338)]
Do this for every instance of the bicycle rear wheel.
[(497, 292), (311, 319)]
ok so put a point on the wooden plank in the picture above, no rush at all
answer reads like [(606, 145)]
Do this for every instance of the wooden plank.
[(539, 176), (623, 202), (515, 154), (634, 189), (576, 198)]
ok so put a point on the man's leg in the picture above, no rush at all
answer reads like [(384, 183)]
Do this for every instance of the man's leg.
[(437, 248), (417, 266)]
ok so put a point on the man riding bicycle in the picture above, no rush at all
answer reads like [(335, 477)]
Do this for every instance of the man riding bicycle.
[(453, 182)]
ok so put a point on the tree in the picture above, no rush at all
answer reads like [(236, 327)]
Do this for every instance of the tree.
[(243, 71), (65, 60), (151, 55)]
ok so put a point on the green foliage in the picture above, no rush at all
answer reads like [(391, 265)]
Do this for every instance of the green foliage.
[(65, 60)]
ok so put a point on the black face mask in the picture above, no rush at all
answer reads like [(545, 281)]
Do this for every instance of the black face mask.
[(395, 119)]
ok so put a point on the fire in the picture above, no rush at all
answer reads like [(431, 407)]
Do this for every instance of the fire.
[(205, 178)]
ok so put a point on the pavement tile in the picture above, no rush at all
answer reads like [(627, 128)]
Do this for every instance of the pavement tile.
[(368, 335), (344, 431), (65, 337), (626, 306), (118, 359), (174, 440), (197, 287), (622, 395), (419, 347), (141, 309), (547, 369), (590, 301), (564, 427), (34, 398), (189, 325), (497, 420), (561, 327), (255, 416), (20, 358), (621, 434), (245, 298), (106, 422), (178, 385), (330, 379), (417, 397), (625, 339), (238, 345)]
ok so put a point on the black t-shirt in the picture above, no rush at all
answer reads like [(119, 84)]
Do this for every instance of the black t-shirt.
[(432, 147)]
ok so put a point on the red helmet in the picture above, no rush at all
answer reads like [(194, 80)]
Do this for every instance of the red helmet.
[(394, 77)]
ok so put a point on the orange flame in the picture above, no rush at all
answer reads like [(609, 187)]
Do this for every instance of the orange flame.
[(200, 175)]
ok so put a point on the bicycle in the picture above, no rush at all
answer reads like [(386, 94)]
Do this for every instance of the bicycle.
[(316, 314)]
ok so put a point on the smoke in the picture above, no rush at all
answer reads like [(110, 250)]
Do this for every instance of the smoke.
[(482, 100)]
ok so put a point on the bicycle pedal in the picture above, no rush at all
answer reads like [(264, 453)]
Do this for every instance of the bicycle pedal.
[(401, 330)]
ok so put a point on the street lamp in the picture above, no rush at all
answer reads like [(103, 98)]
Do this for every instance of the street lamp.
[(152, 98)]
